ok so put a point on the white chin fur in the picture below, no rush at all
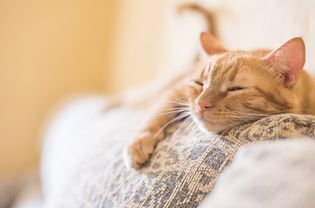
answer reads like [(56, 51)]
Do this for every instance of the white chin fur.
[(200, 125)]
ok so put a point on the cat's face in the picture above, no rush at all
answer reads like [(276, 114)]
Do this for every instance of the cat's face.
[(238, 87)]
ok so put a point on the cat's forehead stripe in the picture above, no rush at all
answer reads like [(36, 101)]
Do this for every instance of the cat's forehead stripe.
[(209, 69), (228, 66), (212, 63), (223, 66)]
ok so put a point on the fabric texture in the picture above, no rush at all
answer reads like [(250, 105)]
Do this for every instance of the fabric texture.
[(83, 158)]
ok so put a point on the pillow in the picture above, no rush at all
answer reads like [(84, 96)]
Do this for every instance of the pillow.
[(83, 158), (269, 174)]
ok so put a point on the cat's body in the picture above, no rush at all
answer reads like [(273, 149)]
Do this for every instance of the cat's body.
[(228, 90)]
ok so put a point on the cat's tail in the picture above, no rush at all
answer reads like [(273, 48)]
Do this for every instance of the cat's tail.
[(204, 12)]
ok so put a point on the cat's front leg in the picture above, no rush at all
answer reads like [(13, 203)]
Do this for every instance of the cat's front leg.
[(143, 144), (141, 149)]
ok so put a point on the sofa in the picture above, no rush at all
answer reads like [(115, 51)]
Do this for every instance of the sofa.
[(82, 162)]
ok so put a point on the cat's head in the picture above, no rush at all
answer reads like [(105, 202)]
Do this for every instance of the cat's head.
[(236, 87)]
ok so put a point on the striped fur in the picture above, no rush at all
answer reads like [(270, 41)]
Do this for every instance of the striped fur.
[(235, 88), (263, 92)]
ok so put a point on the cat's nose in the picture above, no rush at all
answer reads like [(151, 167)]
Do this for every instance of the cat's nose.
[(202, 107)]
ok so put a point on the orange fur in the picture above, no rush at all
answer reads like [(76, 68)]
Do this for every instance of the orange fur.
[(228, 90)]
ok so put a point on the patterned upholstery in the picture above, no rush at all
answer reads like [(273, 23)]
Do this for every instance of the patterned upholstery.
[(91, 173)]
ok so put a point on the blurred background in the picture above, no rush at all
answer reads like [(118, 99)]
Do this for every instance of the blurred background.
[(54, 49)]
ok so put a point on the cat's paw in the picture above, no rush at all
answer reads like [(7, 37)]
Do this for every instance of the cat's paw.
[(140, 150)]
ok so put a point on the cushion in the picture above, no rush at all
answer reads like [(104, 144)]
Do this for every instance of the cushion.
[(268, 174), (83, 157)]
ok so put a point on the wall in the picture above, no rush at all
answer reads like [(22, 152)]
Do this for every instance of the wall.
[(138, 50), (53, 48), (153, 40), (49, 50)]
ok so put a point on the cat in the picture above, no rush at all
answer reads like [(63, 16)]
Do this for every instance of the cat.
[(231, 88)]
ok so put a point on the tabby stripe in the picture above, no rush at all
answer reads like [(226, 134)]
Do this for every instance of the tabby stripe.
[(256, 108), (280, 105)]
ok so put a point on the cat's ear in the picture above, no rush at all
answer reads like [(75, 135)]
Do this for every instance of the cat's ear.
[(210, 44), (288, 60)]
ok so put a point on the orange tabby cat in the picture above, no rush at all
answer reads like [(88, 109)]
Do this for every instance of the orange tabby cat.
[(230, 89)]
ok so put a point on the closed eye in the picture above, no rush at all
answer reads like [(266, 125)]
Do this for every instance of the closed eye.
[(234, 89), (199, 83)]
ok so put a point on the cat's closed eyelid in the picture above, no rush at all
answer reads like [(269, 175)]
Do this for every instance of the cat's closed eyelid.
[(234, 89), (198, 83)]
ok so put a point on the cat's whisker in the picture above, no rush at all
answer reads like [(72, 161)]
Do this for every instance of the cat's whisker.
[(170, 122), (172, 113), (179, 101), (175, 111), (176, 107), (185, 124)]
